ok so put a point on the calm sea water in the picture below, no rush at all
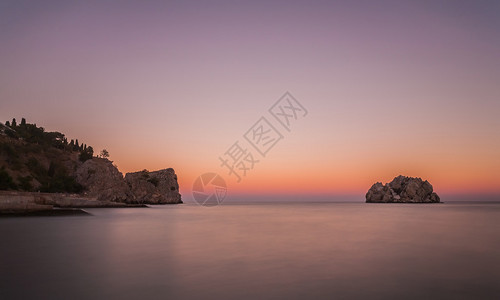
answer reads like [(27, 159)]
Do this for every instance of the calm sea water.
[(256, 251)]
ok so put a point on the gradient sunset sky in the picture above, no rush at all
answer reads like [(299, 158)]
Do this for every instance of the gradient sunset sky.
[(391, 87)]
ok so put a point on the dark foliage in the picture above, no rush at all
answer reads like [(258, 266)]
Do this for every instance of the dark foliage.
[(20, 149), (86, 154), (6, 182), (37, 135), (25, 183)]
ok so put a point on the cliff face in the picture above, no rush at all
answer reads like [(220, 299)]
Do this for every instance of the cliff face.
[(158, 187), (402, 189), (103, 181)]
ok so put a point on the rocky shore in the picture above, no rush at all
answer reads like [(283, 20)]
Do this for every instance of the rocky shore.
[(43, 171), (26, 203), (104, 186)]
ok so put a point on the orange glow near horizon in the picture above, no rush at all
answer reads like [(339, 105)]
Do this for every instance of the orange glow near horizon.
[(410, 90), (334, 178), (350, 168)]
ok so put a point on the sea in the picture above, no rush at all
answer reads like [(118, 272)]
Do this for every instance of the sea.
[(256, 250)]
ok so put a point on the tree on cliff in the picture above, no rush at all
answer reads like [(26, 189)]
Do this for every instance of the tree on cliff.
[(86, 154), (104, 153)]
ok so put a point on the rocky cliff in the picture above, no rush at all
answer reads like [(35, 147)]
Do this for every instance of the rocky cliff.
[(102, 180), (402, 189), (159, 187)]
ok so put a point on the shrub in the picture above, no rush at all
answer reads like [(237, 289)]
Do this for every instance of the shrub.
[(25, 183), (6, 182)]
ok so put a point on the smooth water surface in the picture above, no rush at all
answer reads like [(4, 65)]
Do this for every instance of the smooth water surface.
[(256, 251)]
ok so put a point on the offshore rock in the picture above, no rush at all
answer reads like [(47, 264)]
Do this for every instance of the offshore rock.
[(158, 187), (402, 189)]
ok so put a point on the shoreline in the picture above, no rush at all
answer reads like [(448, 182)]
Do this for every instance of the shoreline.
[(56, 212), (14, 203)]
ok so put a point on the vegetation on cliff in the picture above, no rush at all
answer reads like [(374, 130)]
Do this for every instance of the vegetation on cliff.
[(32, 159)]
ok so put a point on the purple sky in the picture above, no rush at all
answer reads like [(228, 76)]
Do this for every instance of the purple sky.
[(391, 87)]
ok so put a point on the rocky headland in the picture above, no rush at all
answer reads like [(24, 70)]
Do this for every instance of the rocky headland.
[(103, 186), (102, 180), (41, 171), (402, 189)]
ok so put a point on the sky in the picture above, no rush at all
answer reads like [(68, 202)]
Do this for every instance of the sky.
[(390, 87)]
